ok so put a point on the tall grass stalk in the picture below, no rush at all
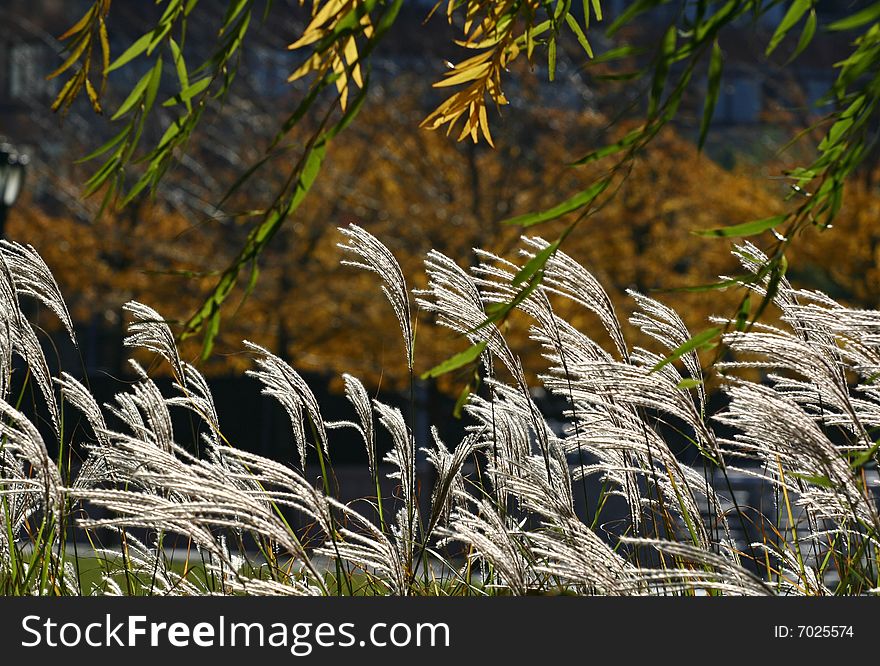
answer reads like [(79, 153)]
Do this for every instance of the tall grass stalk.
[(511, 509)]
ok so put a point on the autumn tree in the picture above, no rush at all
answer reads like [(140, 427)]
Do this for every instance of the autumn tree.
[(258, 183)]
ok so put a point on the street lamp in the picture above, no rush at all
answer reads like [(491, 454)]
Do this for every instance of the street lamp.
[(12, 167)]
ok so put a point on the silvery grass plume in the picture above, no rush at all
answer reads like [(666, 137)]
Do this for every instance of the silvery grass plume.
[(808, 424), (402, 458), (359, 398), (141, 563), (373, 256), (287, 386), (31, 487), (23, 273), (509, 510), (608, 419)]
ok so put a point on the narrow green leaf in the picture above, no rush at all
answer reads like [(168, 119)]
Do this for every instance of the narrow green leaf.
[(617, 53), (742, 314), (633, 10), (795, 11), (153, 85), (807, 35), (628, 140), (171, 133), (138, 187), (745, 229), (466, 357), (462, 400), (180, 66), (619, 76), (498, 311), (232, 11), (716, 64), (689, 383), (865, 456), (258, 238), (551, 59), (581, 37), (211, 334), (185, 95), (818, 480), (536, 263), (858, 19), (661, 71), (569, 205), (131, 52), (133, 97), (112, 143), (696, 342), (159, 35), (747, 278)]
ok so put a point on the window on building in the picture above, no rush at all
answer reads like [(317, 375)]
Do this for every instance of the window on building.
[(28, 65), (740, 101)]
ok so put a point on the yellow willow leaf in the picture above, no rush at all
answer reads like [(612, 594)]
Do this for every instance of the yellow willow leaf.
[(463, 76), (69, 88), (474, 120), (308, 37), (474, 60), (484, 125), (73, 57), (316, 28), (487, 43), (79, 26), (319, 21), (93, 96), (313, 64), (368, 27), (351, 57), (341, 81), (470, 123), (495, 29), (332, 8), (105, 45), (493, 89)]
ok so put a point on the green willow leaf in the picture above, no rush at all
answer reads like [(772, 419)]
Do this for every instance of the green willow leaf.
[(185, 95), (461, 359), (572, 204), (863, 17), (536, 263), (817, 480), (661, 71), (696, 342), (581, 37), (743, 279), (795, 11), (211, 334), (131, 52), (807, 35), (752, 228), (133, 97), (633, 10), (716, 63), (618, 53), (629, 139), (864, 457), (112, 143)]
